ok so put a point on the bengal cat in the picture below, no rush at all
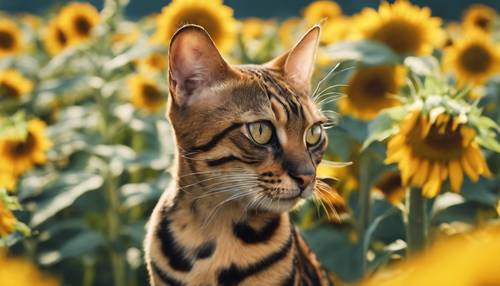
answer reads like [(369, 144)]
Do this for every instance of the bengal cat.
[(249, 139)]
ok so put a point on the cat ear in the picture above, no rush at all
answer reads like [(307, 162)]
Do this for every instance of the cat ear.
[(194, 63), (297, 64)]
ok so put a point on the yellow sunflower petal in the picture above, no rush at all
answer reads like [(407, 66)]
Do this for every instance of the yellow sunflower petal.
[(422, 174), (456, 175), (469, 171), (433, 185)]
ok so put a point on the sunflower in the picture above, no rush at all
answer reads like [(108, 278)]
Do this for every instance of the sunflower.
[(215, 17), (474, 58), (480, 17), (154, 62), (335, 30), (10, 38), (346, 176), (78, 20), (461, 260), (23, 153), (145, 93), (55, 39), (319, 11), (13, 84), (289, 31), (428, 152), (17, 271), (405, 28), (391, 186), (255, 28), (372, 89), (8, 222)]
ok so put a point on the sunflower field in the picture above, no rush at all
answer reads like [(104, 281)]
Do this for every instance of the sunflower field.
[(85, 147)]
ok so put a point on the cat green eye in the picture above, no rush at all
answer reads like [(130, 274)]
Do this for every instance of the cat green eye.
[(313, 134), (261, 132)]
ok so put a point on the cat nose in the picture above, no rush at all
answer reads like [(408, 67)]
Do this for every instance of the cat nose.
[(303, 180)]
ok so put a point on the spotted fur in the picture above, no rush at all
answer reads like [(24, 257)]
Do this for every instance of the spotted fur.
[(224, 221)]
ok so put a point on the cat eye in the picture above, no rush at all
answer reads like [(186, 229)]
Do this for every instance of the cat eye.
[(313, 134), (261, 132)]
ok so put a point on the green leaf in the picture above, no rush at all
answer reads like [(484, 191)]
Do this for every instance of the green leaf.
[(422, 66), (336, 251), (383, 126), (65, 198), (14, 126), (136, 194), (77, 246), (489, 142), (141, 50), (366, 52)]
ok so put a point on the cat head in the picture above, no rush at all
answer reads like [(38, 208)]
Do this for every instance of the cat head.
[(249, 133)]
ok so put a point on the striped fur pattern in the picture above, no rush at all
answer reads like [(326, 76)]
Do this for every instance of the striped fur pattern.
[(225, 219)]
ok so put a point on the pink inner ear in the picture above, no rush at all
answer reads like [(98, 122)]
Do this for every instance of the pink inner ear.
[(194, 61), (300, 61)]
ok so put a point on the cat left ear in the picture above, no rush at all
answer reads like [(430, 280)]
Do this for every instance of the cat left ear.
[(298, 63)]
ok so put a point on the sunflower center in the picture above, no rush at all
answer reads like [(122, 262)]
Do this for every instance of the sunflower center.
[(20, 148), (375, 87), (442, 143), (483, 23), (475, 59), (401, 36), (151, 93), (389, 182), (8, 90), (203, 18), (7, 40), (82, 26), (61, 37)]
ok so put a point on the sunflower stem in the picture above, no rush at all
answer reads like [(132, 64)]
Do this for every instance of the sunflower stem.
[(416, 221), (363, 203)]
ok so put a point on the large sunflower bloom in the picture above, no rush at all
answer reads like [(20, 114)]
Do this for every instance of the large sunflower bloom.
[(21, 272), (474, 58), (78, 20), (13, 84), (427, 153), (405, 28), (145, 93), (215, 17), (372, 89), (22, 154), (479, 17), (55, 39), (10, 38)]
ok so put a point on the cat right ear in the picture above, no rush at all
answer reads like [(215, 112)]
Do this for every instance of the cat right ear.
[(194, 63)]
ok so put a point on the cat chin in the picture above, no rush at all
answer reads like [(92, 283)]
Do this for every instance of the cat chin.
[(280, 206)]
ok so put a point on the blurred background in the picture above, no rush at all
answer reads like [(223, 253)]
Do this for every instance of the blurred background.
[(411, 173), (257, 8)]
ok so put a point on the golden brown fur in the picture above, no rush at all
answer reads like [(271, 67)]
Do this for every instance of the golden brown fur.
[(225, 219)]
